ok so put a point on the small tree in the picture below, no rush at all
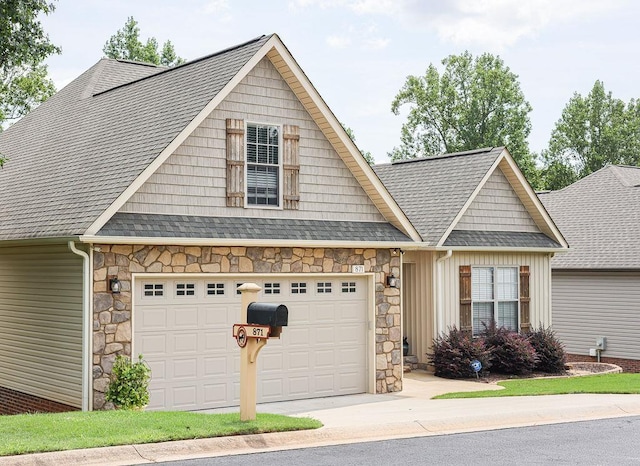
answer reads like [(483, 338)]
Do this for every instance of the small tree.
[(129, 386)]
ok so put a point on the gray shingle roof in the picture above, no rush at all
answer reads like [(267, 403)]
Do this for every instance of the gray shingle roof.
[(183, 226), (431, 191), (508, 239), (599, 216), (75, 154)]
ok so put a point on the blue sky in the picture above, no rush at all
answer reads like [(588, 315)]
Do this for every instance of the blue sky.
[(358, 53)]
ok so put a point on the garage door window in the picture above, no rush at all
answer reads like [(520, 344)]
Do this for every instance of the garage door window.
[(323, 287), (272, 288), (215, 289), (185, 289), (298, 288), (348, 287), (153, 289)]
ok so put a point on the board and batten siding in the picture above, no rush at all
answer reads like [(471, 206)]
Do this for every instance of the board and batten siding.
[(418, 302), (193, 179), (539, 282), (587, 305), (497, 208), (41, 322)]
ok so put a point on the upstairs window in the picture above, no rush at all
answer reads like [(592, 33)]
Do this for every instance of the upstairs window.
[(263, 165)]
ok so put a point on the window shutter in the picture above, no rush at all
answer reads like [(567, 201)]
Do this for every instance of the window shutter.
[(291, 163), (235, 163), (465, 299), (525, 324)]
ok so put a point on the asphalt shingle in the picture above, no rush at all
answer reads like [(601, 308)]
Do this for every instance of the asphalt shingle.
[(184, 226), (599, 216), (431, 191), (75, 154), (507, 239)]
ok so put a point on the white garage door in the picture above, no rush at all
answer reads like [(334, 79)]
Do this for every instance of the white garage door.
[(183, 326)]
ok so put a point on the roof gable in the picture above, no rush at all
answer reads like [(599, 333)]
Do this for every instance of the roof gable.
[(93, 150), (437, 192), (599, 215)]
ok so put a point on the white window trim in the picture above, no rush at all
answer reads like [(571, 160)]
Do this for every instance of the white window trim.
[(495, 299), (280, 205)]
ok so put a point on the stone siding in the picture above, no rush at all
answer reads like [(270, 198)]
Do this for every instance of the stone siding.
[(112, 312)]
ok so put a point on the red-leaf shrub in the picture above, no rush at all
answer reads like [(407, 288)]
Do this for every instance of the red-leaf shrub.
[(511, 353), (453, 353), (551, 355)]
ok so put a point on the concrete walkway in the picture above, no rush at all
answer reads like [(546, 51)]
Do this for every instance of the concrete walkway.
[(359, 418)]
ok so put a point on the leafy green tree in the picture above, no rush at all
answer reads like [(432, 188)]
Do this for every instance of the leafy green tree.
[(24, 82), (126, 44), (592, 132), (366, 154), (475, 102), (23, 47)]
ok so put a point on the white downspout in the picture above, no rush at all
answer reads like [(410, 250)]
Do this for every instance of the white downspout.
[(86, 326), (440, 291)]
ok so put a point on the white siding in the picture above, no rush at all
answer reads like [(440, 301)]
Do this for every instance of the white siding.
[(587, 305), (192, 180), (41, 322), (497, 208), (539, 284)]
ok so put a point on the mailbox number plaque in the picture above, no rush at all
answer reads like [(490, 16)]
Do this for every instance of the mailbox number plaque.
[(243, 331)]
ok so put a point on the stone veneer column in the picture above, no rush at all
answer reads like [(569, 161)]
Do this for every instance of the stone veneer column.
[(112, 313)]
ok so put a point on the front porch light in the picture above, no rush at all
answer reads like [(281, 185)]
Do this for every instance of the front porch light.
[(393, 281), (115, 286)]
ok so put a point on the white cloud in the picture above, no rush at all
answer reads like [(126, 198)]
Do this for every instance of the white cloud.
[(338, 42), (498, 23)]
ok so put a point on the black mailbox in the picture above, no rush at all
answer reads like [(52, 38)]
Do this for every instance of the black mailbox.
[(271, 314)]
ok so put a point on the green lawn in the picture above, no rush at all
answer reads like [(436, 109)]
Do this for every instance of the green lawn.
[(607, 383), (30, 433)]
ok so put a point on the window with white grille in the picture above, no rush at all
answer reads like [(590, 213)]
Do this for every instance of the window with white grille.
[(348, 287), (298, 288), (494, 296), (263, 165), (272, 288)]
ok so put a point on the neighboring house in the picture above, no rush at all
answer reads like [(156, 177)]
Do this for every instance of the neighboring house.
[(183, 183), (596, 285), (487, 246)]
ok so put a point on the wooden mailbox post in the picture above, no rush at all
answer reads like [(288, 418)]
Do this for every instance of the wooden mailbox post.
[(251, 338)]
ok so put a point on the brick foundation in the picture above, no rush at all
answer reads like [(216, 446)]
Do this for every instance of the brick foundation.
[(14, 402), (627, 365)]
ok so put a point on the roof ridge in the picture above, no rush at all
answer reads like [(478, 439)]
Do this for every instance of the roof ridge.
[(483, 150), (197, 60)]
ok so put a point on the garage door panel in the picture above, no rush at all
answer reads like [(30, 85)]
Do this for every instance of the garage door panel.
[(215, 393), (153, 344), (216, 366), (185, 317), (184, 368), (324, 359), (324, 336), (298, 360), (184, 397), (155, 319), (184, 343), (196, 363)]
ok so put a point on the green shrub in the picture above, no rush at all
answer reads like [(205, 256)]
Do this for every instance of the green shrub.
[(511, 353), (453, 353), (129, 386), (550, 351)]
